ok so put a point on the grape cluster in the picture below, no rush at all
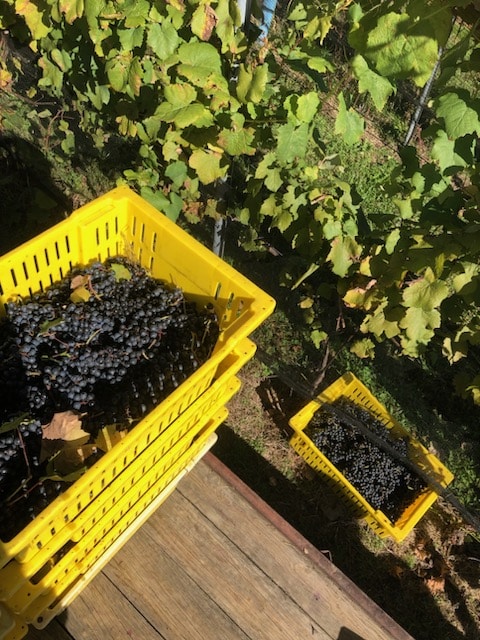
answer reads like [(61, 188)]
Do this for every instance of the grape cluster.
[(384, 482), (112, 355)]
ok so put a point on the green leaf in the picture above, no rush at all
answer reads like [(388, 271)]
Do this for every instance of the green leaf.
[(177, 172), (163, 39), (317, 337), (237, 140), (453, 155), (426, 293), (419, 325), (156, 198), (319, 64), (292, 142), (61, 59), (342, 254), (391, 241), (180, 95), (207, 164), (136, 12), (348, 123), (251, 84), (131, 38), (198, 61), (364, 348), (184, 116), (10, 425), (368, 81), (120, 271), (282, 220), (398, 45), (311, 270), (460, 113), (307, 106), (72, 9), (117, 72), (80, 294), (228, 17)]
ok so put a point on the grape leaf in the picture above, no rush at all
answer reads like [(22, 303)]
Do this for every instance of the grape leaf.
[(79, 280), (460, 113), (198, 61), (348, 123), (317, 337), (163, 39), (80, 294), (108, 437), (70, 460), (65, 425), (10, 425), (364, 348), (419, 325), (120, 270), (368, 81), (203, 22), (426, 293), (292, 142), (207, 165), (184, 116), (342, 254)]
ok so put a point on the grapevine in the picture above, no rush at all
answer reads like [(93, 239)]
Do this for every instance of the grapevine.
[(107, 343)]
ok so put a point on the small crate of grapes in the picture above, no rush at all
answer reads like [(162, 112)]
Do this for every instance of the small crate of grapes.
[(386, 494), (104, 247)]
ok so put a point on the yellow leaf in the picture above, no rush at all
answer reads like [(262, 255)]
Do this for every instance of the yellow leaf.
[(306, 303), (108, 437), (5, 78), (80, 294)]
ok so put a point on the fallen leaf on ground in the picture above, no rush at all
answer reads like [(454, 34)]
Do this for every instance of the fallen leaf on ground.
[(435, 585)]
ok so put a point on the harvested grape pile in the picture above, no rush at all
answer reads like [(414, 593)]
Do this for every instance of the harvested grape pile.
[(104, 346), (385, 483)]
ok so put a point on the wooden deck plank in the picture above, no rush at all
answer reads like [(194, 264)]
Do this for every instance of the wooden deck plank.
[(247, 595), (326, 594), (293, 572), (162, 590), (100, 612), (215, 562)]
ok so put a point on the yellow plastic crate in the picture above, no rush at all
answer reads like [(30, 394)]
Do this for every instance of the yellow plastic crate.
[(350, 388), (33, 602), (82, 514), (158, 459), (122, 223), (12, 627)]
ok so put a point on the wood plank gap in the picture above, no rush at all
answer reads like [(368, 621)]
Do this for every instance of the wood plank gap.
[(392, 629)]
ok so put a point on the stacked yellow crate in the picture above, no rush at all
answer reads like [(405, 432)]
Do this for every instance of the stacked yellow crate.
[(50, 560)]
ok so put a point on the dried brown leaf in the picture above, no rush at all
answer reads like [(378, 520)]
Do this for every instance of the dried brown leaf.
[(435, 585), (65, 425), (79, 281)]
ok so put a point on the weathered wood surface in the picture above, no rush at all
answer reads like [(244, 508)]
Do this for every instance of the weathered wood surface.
[(215, 562)]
